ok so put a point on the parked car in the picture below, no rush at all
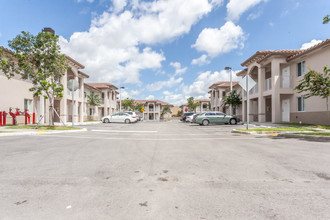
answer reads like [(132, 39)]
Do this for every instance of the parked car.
[(195, 117), (134, 114), (190, 118), (184, 116), (119, 117), (215, 118)]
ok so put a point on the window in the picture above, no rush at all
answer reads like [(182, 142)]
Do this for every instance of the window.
[(91, 111), (301, 68), (219, 114), (301, 104), (28, 105)]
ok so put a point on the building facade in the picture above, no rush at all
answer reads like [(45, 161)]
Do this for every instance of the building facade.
[(108, 94), (219, 91), (153, 109), (204, 106), (14, 93), (277, 73)]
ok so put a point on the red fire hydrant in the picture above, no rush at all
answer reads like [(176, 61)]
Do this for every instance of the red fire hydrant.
[(27, 116), (13, 115), (0, 118)]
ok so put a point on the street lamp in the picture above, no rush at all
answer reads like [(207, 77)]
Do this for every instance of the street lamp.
[(231, 86), (122, 87)]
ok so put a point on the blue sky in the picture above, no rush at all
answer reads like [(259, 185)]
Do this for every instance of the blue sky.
[(167, 49)]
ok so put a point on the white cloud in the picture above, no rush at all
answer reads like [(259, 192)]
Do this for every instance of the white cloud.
[(156, 86), (150, 97), (310, 44), (202, 60), (235, 8), (179, 70), (114, 48), (175, 99), (200, 87), (254, 16), (219, 41), (119, 5)]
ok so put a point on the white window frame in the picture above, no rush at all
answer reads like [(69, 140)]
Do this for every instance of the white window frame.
[(302, 68), (303, 105)]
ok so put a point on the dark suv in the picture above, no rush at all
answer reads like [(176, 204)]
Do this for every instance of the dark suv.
[(184, 116)]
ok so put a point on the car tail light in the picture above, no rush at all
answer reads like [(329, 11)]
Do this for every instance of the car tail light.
[(133, 117)]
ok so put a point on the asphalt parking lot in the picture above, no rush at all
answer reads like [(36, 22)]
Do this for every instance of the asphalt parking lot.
[(163, 170)]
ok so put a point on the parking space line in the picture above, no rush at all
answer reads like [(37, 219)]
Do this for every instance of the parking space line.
[(120, 131)]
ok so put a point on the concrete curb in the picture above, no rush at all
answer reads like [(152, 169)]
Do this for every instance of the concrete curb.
[(12, 132), (269, 132), (306, 137)]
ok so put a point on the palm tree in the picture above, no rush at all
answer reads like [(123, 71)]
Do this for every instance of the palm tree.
[(94, 99)]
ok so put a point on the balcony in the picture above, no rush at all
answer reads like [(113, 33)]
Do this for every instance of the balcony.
[(268, 84)]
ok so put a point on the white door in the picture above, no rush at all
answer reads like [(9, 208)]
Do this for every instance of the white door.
[(286, 78), (286, 110)]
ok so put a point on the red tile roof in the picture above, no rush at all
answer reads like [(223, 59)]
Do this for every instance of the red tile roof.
[(303, 52), (102, 85), (156, 101), (223, 84)]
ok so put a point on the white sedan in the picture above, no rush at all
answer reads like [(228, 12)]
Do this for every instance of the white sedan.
[(119, 117)]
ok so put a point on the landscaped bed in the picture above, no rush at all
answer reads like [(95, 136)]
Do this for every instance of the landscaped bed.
[(43, 127), (306, 125)]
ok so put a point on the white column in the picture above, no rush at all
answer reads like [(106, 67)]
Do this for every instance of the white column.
[(261, 99), (276, 105)]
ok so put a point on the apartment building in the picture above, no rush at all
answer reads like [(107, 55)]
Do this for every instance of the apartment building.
[(14, 93), (108, 94), (218, 92), (204, 106), (153, 109), (277, 73)]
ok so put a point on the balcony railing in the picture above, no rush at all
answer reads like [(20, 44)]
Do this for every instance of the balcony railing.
[(268, 84)]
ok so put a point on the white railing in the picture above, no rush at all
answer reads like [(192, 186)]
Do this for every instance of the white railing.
[(268, 84)]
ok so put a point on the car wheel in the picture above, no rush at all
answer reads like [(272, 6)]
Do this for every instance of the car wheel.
[(106, 120), (127, 121), (233, 121), (206, 122)]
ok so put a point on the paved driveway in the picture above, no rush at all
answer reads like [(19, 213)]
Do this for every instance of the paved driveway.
[(163, 170)]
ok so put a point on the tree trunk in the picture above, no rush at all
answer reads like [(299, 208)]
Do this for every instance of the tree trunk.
[(328, 111), (51, 112)]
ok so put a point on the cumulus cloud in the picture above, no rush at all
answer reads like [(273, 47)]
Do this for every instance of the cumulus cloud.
[(235, 8), (179, 70), (216, 41), (117, 45), (156, 86), (202, 60), (150, 97), (200, 87), (310, 44)]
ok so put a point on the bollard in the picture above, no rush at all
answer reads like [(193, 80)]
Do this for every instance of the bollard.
[(0, 118), (4, 115), (34, 118)]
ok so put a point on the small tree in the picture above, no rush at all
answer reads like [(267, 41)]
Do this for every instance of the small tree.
[(94, 99), (138, 107), (166, 110), (233, 99), (316, 84), (38, 59), (179, 113), (192, 105), (128, 104)]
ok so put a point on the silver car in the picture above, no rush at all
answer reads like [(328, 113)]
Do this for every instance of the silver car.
[(119, 117)]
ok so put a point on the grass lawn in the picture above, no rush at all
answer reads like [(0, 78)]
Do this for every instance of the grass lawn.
[(306, 125), (278, 129), (59, 128), (6, 131)]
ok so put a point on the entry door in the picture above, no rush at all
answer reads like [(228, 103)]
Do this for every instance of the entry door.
[(286, 110), (286, 78)]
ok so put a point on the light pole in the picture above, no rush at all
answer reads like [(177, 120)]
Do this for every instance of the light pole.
[(122, 87), (231, 86)]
